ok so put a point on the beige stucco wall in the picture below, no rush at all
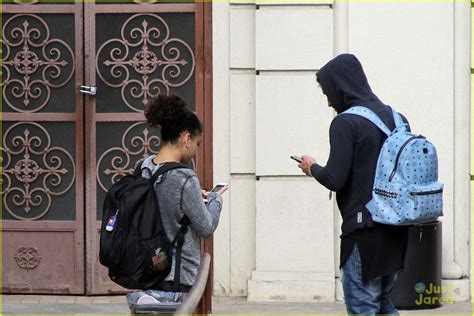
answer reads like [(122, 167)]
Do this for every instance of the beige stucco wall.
[(278, 238)]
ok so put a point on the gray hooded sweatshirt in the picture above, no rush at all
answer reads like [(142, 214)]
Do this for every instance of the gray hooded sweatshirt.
[(179, 194)]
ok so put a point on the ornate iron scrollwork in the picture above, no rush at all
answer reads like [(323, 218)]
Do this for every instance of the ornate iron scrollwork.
[(39, 170), (27, 258), (37, 59), (147, 50), (119, 161)]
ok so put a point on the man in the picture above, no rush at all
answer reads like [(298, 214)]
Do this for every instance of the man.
[(371, 253)]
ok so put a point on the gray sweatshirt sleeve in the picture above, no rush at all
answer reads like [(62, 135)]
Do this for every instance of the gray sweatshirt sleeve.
[(203, 219)]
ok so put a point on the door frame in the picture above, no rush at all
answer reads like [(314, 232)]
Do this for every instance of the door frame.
[(203, 50)]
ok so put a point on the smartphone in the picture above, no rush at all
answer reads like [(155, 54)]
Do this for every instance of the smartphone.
[(297, 159), (219, 187)]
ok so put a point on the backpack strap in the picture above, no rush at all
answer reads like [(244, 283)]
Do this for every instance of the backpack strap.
[(185, 222), (138, 169), (399, 123), (167, 166), (397, 118), (161, 170), (371, 116)]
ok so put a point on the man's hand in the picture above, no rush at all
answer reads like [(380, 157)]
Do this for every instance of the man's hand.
[(306, 164)]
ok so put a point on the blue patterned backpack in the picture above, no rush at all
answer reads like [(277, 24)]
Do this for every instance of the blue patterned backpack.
[(406, 189)]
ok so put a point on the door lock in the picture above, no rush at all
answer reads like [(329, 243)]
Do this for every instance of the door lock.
[(88, 90)]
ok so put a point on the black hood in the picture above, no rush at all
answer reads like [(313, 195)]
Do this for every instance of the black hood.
[(344, 82)]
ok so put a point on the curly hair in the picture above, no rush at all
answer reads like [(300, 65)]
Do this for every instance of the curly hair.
[(170, 112)]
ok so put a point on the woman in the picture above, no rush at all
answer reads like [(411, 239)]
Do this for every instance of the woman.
[(179, 192)]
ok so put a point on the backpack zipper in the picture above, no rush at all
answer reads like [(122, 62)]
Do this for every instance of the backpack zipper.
[(399, 154), (427, 192)]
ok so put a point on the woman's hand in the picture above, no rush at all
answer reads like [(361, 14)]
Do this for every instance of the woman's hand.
[(222, 191), (205, 193)]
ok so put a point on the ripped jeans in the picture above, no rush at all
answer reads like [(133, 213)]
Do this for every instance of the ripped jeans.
[(370, 297)]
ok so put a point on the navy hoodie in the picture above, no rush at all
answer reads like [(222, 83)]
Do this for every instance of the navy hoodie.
[(350, 170)]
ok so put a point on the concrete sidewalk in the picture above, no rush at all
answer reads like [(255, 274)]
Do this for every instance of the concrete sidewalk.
[(95, 305), (228, 305)]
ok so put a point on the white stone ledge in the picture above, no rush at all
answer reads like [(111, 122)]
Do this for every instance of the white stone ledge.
[(285, 178), (265, 5), (292, 276), (243, 5), (242, 71), (286, 72), (291, 287), (243, 175)]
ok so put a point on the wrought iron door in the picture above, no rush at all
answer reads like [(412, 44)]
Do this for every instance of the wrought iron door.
[(133, 52), (42, 148), (61, 149)]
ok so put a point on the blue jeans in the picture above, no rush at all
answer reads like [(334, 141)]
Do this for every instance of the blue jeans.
[(370, 297)]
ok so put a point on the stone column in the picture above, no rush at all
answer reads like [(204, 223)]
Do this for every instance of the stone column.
[(294, 217)]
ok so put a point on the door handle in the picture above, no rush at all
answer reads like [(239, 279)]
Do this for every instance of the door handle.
[(88, 90)]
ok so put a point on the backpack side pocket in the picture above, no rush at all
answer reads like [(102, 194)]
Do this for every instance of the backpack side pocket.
[(427, 200)]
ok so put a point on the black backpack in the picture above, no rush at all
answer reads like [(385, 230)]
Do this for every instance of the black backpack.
[(133, 243)]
